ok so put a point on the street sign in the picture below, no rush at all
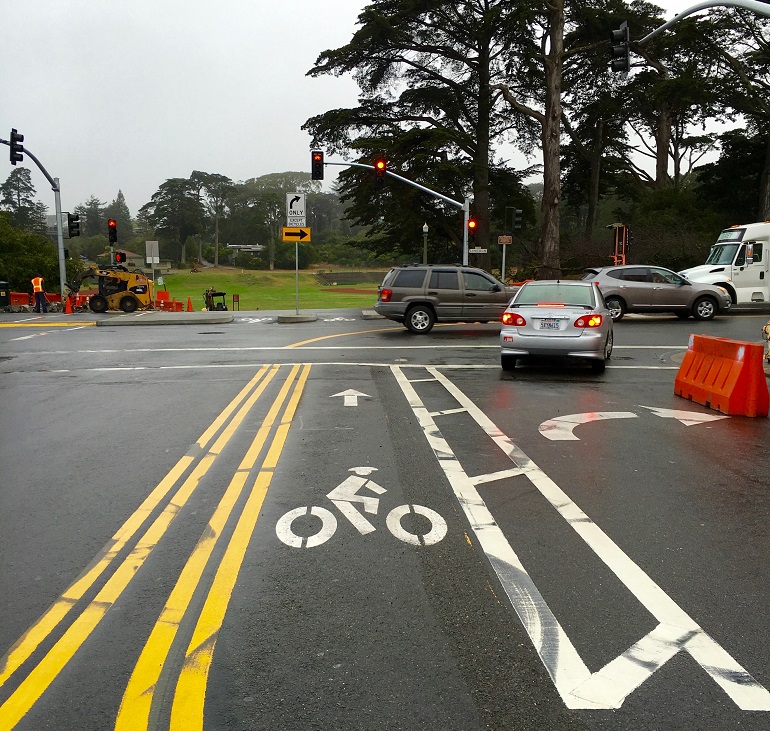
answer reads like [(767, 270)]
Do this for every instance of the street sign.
[(505, 239), (477, 251), (295, 209), (296, 234)]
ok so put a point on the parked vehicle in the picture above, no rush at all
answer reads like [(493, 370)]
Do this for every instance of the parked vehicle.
[(419, 295), (557, 319), (739, 262), (644, 289)]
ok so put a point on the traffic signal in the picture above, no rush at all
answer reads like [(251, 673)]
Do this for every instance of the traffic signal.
[(120, 257), (620, 58), (316, 165), (472, 224), (112, 225), (73, 224), (16, 147), (518, 216)]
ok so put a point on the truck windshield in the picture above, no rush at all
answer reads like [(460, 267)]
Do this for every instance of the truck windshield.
[(722, 254)]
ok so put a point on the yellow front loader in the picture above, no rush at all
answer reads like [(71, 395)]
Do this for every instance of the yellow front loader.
[(119, 289)]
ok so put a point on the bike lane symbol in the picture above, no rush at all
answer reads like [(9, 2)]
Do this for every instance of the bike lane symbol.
[(343, 497)]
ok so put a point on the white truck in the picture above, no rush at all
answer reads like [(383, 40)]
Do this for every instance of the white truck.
[(740, 262)]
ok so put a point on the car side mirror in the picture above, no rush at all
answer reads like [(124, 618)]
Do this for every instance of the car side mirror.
[(497, 288)]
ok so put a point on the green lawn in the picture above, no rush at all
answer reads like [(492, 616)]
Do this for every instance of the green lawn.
[(265, 290)]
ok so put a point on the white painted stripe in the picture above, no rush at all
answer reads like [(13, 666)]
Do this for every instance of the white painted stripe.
[(556, 651), (576, 685), (259, 364), (272, 348)]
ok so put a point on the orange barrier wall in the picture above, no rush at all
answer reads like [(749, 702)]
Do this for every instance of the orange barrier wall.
[(723, 374)]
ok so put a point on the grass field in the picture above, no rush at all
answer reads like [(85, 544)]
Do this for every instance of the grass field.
[(267, 290)]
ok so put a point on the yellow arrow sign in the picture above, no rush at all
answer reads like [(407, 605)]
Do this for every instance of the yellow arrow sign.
[(296, 234)]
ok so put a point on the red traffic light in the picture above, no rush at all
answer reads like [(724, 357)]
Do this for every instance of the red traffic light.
[(317, 165), (112, 223), (381, 166), (472, 224), (120, 257)]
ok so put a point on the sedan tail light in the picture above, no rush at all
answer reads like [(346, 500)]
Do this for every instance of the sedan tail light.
[(385, 295), (513, 318), (589, 321)]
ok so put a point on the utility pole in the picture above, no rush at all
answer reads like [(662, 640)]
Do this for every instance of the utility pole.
[(17, 152)]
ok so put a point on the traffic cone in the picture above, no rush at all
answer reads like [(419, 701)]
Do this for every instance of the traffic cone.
[(189, 304), (68, 307)]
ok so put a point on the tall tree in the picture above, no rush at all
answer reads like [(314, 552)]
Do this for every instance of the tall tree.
[(213, 191), (742, 43), (176, 213), (18, 198), (93, 221), (426, 66)]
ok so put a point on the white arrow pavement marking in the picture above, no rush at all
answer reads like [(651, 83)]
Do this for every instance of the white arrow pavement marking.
[(688, 418), (560, 428), (351, 397)]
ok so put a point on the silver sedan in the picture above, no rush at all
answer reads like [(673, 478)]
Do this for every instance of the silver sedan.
[(562, 319)]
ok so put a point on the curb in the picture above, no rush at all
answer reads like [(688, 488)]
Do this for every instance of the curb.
[(297, 317), (154, 317)]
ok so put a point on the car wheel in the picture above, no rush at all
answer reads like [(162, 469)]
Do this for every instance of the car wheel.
[(507, 362), (128, 304), (598, 366), (704, 308), (97, 303), (420, 319), (616, 308)]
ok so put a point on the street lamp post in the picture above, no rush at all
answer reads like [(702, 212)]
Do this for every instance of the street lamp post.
[(425, 243)]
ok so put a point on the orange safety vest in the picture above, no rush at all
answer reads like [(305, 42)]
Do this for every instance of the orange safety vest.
[(37, 285)]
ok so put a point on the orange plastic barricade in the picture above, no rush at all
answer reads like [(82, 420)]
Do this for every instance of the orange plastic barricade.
[(725, 375)]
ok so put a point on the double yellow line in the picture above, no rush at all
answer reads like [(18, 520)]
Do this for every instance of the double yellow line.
[(187, 711)]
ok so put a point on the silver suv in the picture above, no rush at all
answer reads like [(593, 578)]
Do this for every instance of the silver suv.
[(419, 295), (639, 288)]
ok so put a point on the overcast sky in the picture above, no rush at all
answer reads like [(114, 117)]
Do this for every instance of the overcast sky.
[(124, 94)]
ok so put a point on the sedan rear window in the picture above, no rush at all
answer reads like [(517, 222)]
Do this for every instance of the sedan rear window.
[(532, 294)]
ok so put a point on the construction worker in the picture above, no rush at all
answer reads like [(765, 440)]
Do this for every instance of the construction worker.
[(38, 289)]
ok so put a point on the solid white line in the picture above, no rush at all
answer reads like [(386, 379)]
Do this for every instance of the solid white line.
[(371, 364), (272, 348)]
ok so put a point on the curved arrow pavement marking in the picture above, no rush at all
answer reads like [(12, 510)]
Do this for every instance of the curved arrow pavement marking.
[(560, 428)]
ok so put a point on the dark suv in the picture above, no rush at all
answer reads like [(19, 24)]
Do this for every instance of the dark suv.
[(420, 295)]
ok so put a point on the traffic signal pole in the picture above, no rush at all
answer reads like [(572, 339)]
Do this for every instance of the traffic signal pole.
[(757, 7), (465, 205), (59, 233)]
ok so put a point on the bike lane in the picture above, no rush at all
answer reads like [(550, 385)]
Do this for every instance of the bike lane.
[(367, 628)]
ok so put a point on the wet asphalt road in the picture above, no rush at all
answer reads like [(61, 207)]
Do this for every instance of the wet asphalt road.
[(171, 468)]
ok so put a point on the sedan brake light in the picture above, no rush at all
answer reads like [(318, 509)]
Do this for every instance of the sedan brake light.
[(513, 318), (385, 295), (589, 321)]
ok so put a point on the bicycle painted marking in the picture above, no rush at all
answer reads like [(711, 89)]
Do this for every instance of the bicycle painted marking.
[(342, 497)]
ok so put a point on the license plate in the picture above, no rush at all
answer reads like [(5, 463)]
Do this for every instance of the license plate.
[(549, 324)]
